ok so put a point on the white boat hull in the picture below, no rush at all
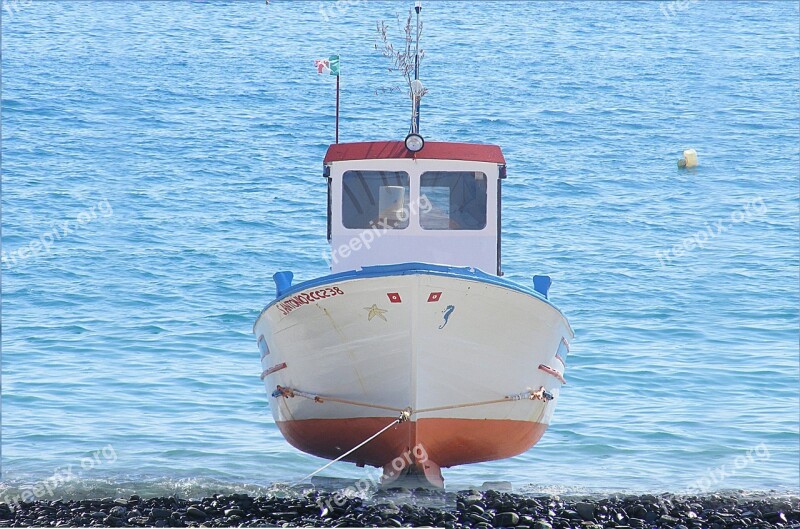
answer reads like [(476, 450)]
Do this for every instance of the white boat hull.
[(452, 347)]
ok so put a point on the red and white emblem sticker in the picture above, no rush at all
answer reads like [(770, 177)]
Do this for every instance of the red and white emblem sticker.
[(394, 297), (434, 297)]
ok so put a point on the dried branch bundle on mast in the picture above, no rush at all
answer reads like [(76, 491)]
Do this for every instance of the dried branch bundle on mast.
[(406, 59)]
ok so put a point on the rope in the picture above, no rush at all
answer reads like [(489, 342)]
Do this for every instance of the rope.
[(457, 406), (281, 391), (540, 394), (404, 416)]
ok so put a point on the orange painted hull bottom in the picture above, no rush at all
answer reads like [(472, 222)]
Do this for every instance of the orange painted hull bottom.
[(421, 447)]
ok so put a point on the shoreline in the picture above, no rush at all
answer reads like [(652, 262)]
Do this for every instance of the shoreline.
[(405, 508)]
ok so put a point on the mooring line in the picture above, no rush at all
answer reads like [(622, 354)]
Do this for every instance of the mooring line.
[(540, 394), (281, 391), (404, 416)]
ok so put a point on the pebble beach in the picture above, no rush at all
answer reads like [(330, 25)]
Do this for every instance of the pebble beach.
[(398, 508)]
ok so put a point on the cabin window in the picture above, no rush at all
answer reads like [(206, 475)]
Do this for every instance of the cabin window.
[(457, 200), (375, 198)]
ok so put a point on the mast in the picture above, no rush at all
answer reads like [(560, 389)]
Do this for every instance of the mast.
[(337, 109), (417, 99), (414, 142)]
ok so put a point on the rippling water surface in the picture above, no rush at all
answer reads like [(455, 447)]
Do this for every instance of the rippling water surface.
[(196, 130)]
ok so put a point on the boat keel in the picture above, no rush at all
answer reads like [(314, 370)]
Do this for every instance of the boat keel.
[(426, 475)]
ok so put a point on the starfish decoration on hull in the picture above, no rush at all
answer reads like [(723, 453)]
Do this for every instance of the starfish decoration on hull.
[(375, 311)]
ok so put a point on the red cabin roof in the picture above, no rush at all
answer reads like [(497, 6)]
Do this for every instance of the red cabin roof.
[(375, 150)]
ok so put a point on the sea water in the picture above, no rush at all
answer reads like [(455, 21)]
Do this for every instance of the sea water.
[(161, 160)]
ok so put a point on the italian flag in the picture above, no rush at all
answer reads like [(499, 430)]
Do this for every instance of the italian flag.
[(328, 66)]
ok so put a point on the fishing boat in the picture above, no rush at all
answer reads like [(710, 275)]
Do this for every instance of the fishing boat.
[(415, 353)]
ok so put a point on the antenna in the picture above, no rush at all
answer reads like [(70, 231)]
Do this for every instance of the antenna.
[(417, 88), (418, 9)]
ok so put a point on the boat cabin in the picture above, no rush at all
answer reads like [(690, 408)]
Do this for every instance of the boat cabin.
[(389, 205)]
